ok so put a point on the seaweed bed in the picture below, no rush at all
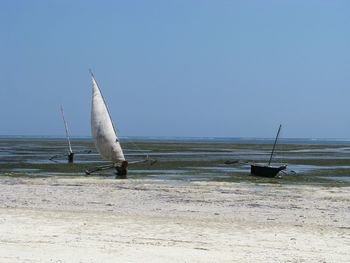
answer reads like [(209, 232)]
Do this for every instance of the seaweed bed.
[(312, 164)]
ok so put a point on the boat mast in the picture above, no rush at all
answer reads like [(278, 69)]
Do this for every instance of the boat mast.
[(274, 145), (66, 128)]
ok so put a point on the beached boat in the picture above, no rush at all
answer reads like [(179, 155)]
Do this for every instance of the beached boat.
[(104, 134), (268, 170), (70, 154)]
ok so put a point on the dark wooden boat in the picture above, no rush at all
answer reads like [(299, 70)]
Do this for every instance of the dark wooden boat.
[(268, 170)]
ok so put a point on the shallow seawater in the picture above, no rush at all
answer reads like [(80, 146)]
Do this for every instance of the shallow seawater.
[(184, 160), (338, 178), (300, 168)]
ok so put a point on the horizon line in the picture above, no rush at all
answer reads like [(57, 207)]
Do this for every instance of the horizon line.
[(174, 137)]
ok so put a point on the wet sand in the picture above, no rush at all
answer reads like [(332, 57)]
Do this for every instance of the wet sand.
[(91, 219)]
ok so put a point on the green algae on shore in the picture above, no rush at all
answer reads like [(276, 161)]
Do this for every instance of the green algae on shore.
[(313, 164)]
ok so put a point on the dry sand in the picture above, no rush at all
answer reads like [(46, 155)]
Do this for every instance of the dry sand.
[(105, 220)]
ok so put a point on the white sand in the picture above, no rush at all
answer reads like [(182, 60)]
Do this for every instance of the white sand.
[(106, 220)]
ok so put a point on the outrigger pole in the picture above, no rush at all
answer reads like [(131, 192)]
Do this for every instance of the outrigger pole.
[(112, 165), (99, 168)]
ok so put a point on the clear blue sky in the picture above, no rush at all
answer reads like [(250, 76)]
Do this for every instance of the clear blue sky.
[(177, 68)]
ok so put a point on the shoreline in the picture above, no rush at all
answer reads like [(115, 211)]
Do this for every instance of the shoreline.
[(96, 219)]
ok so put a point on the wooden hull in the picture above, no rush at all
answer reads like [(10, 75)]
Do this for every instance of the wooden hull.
[(71, 157), (266, 171)]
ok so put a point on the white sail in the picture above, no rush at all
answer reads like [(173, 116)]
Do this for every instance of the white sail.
[(105, 137)]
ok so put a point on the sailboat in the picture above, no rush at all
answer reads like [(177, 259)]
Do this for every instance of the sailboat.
[(104, 134), (268, 170), (70, 155)]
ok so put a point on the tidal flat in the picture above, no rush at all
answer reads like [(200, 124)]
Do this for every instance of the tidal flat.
[(309, 162), (187, 207)]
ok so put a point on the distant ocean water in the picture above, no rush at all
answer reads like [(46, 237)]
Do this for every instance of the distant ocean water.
[(233, 140)]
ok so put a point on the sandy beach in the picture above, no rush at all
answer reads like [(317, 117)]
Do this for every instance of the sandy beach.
[(91, 219)]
